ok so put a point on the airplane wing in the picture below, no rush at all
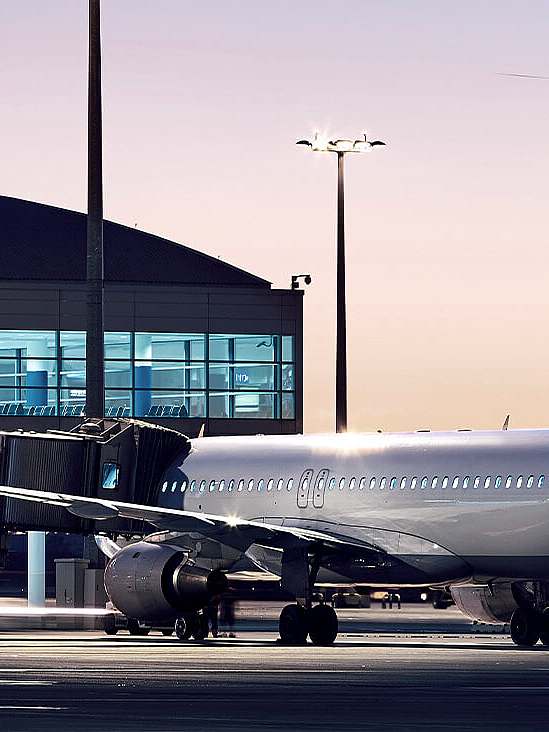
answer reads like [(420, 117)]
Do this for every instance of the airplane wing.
[(229, 530)]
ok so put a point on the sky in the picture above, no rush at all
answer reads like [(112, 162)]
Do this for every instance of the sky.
[(447, 235)]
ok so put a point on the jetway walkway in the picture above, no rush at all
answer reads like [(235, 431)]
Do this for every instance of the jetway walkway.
[(100, 458)]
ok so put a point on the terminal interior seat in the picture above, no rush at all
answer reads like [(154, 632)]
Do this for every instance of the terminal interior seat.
[(159, 410)]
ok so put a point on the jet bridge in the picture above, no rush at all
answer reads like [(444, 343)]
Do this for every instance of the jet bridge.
[(107, 458)]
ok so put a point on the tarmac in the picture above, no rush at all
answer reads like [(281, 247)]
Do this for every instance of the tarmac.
[(413, 669)]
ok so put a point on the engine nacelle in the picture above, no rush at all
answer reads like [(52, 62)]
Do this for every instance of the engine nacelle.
[(489, 605), (156, 582)]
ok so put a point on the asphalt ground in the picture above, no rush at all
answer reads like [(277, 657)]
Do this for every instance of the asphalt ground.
[(414, 669)]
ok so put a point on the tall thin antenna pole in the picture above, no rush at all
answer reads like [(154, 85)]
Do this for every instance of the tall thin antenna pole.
[(95, 326)]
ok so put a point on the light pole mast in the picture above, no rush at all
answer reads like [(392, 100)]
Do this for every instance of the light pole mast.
[(341, 147), (341, 319), (95, 326)]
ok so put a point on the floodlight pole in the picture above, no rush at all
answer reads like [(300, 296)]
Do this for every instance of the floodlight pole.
[(95, 325), (341, 323)]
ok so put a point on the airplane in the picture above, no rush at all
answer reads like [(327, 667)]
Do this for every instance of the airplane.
[(464, 510)]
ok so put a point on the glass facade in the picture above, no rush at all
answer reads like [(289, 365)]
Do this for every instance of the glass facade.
[(231, 376)]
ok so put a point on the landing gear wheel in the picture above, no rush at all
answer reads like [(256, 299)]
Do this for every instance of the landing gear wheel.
[(109, 625), (202, 629), (525, 628), (323, 625), (136, 629), (183, 628), (293, 625)]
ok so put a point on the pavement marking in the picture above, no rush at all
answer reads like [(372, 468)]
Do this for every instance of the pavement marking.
[(34, 709), (15, 682)]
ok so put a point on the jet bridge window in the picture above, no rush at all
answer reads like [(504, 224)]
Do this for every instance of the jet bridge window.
[(111, 476), (541, 481), (530, 482), (519, 481)]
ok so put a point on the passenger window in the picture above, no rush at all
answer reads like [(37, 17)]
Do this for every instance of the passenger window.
[(341, 484), (403, 484), (487, 481), (240, 484), (382, 483), (455, 482), (212, 485), (174, 486), (260, 485), (424, 482), (331, 484), (183, 486), (202, 486), (392, 483), (466, 481), (413, 483), (280, 484), (251, 484), (541, 481), (362, 483), (164, 486), (508, 481), (193, 485), (352, 483), (477, 482), (445, 482), (270, 484), (434, 482), (290, 484), (519, 481), (230, 487), (530, 482), (372, 483), (497, 484), (221, 485)]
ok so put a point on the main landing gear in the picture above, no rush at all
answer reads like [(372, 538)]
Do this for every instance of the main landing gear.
[(528, 623), (302, 619), (318, 622), (191, 625)]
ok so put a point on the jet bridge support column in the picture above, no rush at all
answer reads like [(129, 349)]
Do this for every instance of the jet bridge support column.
[(36, 562)]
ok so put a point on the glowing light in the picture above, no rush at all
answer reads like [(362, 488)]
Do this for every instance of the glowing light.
[(233, 521)]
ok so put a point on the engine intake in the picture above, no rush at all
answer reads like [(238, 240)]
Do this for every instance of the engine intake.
[(156, 582), (488, 604)]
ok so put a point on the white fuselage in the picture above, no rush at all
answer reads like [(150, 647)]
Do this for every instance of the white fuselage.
[(452, 504)]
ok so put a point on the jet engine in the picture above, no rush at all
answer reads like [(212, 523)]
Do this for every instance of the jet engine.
[(494, 604), (157, 582)]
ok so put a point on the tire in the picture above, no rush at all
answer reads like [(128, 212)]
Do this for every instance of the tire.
[(109, 625), (136, 629), (525, 628), (185, 626), (293, 625), (323, 625)]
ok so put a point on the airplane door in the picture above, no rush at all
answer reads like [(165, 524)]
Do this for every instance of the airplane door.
[(304, 488), (320, 487)]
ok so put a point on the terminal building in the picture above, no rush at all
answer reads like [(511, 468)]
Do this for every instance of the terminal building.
[(189, 340)]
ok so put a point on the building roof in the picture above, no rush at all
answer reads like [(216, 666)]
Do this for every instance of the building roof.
[(40, 242)]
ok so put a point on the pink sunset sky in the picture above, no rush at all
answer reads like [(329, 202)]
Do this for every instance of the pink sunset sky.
[(447, 233)]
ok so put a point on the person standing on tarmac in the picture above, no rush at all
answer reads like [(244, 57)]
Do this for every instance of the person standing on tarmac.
[(228, 605), (210, 615)]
